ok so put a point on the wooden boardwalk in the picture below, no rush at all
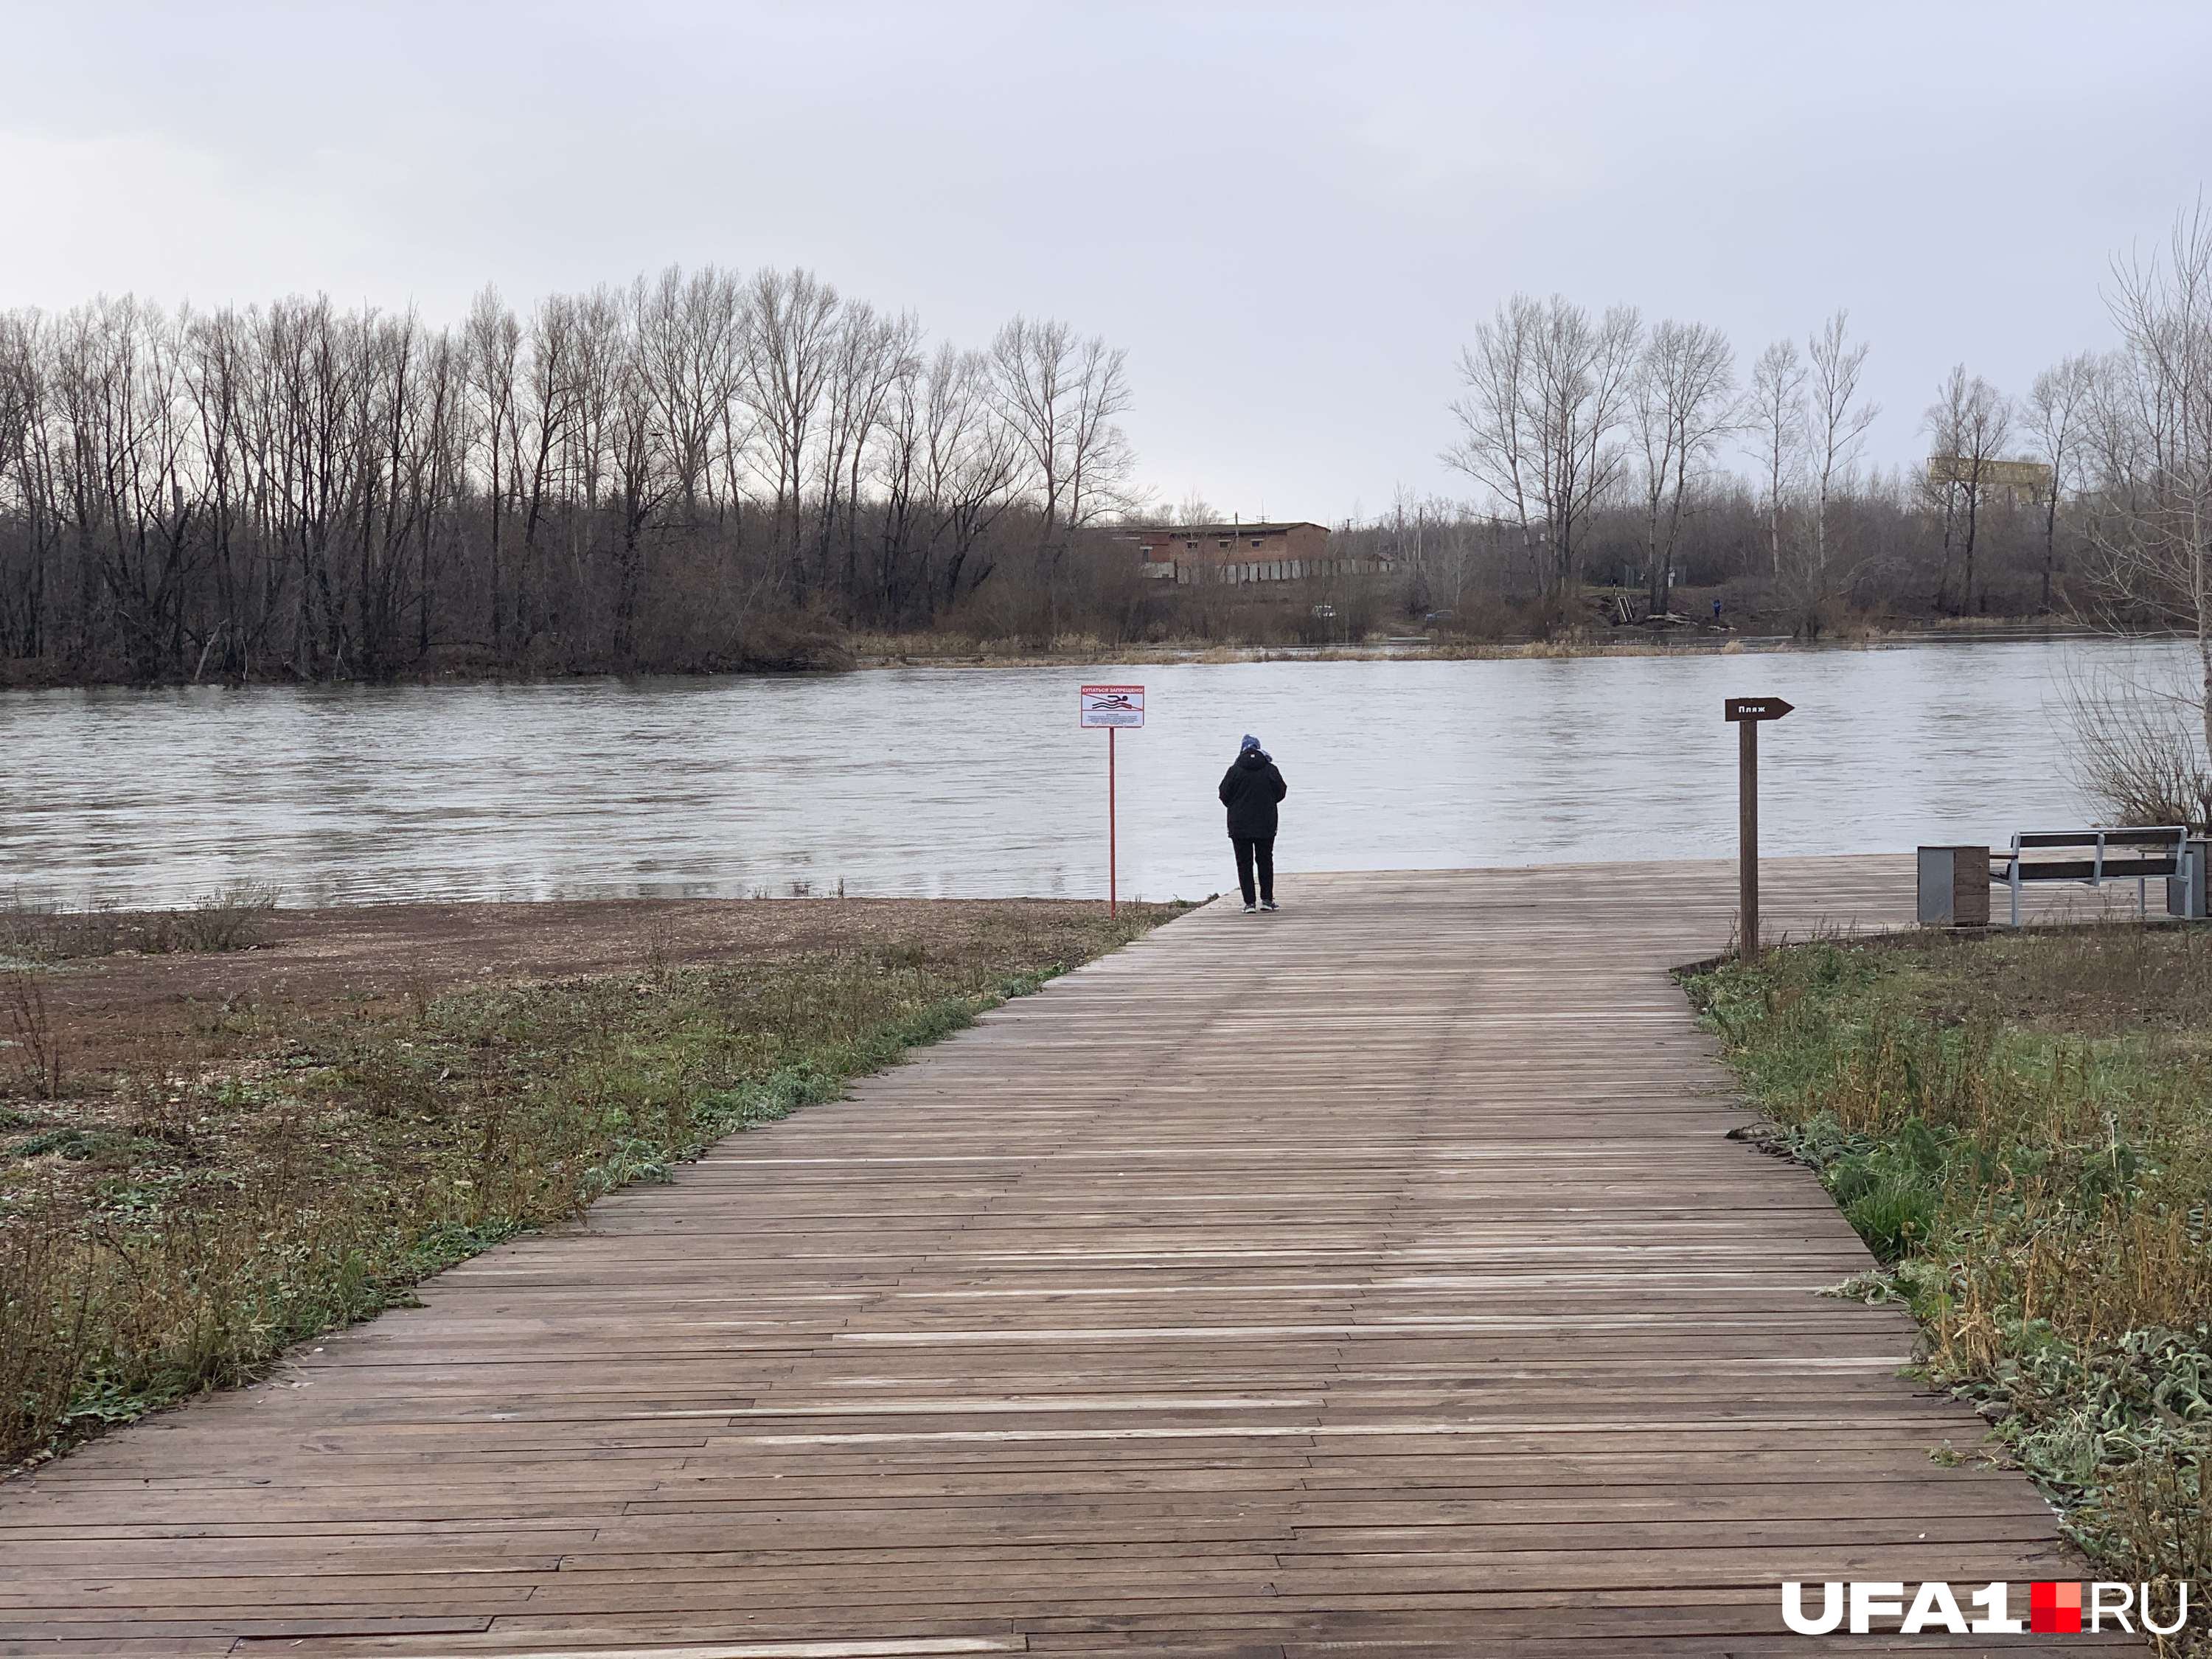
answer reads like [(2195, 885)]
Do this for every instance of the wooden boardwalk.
[(1373, 1277)]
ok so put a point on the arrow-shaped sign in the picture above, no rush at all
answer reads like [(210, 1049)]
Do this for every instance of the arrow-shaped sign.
[(1746, 714)]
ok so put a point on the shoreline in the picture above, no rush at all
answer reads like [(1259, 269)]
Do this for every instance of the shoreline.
[(384, 951), (874, 654), (1422, 648)]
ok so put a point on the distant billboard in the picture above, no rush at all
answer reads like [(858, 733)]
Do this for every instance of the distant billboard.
[(2030, 478)]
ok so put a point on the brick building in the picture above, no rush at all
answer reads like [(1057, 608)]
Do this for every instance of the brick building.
[(1242, 553)]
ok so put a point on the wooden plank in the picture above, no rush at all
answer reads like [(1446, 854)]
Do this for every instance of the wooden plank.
[(1377, 1271)]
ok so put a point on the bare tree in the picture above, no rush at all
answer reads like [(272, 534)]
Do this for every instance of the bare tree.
[(1836, 424), (695, 335), (1969, 425), (2151, 533), (1059, 395), (948, 471), (1032, 377), (1776, 415), (1682, 398), (543, 418), (1435, 542), (493, 349), (1098, 454), (600, 350), (1546, 386), (2059, 406), (440, 472), (644, 468), (2139, 750), (1194, 509), (975, 466), (386, 502), (791, 354), (867, 359), (26, 488)]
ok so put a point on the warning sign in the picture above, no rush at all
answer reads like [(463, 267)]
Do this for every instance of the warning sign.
[(1113, 705)]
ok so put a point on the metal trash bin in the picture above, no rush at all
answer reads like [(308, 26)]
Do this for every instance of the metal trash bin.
[(1954, 887), (2185, 889)]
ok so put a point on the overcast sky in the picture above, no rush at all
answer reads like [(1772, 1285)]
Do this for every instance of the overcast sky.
[(1290, 216)]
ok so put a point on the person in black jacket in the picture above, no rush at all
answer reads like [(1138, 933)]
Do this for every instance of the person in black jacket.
[(1250, 790)]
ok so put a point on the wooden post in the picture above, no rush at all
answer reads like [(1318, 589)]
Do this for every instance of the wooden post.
[(1745, 714), (1746, 784), (1113, 882)]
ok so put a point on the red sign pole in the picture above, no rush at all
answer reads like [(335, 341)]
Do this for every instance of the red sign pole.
[(1113, 887)]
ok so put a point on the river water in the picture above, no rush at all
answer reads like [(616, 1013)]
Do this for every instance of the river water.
[(978, 782)]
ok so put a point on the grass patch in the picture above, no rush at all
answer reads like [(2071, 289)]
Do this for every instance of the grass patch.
[(173, 1227), (2017, 1126)]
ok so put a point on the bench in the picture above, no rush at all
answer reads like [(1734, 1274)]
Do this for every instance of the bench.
[(1955, 881), (2088, 856)]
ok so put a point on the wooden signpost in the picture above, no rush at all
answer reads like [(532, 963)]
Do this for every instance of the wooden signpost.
[(1112, 707), (1746, 714)]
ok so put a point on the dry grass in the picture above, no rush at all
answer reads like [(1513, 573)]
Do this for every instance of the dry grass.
[(2139, 750), (266, 1171), (2017, 1126), (1581, 645), (971, 651), (232, 919), (952, 651)]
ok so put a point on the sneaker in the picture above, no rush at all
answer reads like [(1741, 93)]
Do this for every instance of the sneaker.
[(1251, 909), (1269, 904)]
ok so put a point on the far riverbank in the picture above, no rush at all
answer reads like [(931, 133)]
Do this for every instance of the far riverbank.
[(938, 651), (827, 652)]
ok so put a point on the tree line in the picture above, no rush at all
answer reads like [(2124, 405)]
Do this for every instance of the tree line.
[(696, 471), (1601, 451), (700, 471)]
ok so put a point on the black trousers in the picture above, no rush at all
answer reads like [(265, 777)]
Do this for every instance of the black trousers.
[(1249, 852)]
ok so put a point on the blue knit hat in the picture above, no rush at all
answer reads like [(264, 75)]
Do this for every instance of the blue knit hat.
[(1250, 742)]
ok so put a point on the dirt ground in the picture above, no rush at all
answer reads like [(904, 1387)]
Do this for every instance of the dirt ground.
[(108, 1012)]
